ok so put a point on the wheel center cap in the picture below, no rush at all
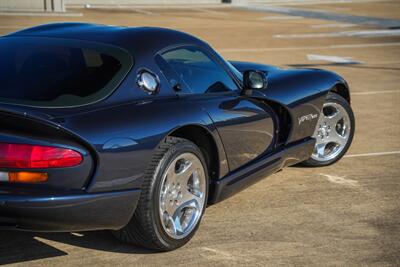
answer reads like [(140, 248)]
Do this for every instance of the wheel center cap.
[(174, 194), (324, 130)]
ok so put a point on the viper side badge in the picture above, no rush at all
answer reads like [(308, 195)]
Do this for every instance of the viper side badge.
[(308, 117)]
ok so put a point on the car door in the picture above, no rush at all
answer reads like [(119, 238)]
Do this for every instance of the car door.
[(246, 126)]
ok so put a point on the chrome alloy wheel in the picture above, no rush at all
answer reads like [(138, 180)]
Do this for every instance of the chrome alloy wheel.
[(332, 132), (182, 195)]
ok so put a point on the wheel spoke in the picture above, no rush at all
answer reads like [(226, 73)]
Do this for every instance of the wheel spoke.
[(337, 138), (192, 194), (334, 119), (176, 223), (320, 149), (180, 221), (183, 175), (186, 195)]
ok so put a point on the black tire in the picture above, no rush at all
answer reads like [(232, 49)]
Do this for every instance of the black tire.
[(145, 228), (333, 97)]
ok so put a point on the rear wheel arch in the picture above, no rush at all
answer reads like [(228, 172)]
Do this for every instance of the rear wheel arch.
[(202, 138)]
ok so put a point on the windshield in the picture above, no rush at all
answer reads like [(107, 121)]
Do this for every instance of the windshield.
[(232, 68), (48, 72)]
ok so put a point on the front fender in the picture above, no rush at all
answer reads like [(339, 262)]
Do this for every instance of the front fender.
[(301, 91)]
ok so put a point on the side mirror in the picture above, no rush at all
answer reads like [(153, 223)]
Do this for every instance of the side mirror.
[(254, 80)]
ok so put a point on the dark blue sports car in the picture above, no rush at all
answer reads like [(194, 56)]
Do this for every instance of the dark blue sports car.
[(137, 130)]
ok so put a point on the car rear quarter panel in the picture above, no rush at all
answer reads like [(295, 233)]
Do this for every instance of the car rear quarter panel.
[(126, 137)]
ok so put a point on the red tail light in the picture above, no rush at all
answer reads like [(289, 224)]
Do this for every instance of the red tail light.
[(35, 157)]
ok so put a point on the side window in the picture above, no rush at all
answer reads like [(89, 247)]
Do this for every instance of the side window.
[(199, 71)]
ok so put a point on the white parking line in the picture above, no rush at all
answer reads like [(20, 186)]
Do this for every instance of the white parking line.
[(310, 2), (376, 92), (349, 46), (371, 33), (373, 154), (77, 234), (334, 59), (41, 14), (281, 18), (209, 11), (215, 253), (340, 180), (146, 12), (334, 25)]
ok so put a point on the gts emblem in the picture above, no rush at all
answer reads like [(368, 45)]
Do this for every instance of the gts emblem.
[(307, 117)]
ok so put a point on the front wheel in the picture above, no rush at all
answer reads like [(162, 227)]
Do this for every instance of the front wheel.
[(334, 132), (173, 198)]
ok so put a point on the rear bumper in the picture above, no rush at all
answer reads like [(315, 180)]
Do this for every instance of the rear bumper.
[(73, 212)]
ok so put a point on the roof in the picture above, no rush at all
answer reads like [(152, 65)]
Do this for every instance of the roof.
[(130, 38)]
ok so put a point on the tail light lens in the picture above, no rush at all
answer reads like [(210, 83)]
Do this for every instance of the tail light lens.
[(37, 157)]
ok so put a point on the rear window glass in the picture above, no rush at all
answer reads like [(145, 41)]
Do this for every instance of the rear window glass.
[(49, 72)]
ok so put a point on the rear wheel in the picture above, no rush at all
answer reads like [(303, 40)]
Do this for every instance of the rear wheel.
[(173, 198), (334, 132)]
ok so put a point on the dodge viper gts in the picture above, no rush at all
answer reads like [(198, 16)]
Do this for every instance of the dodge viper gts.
[(138, 130)]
